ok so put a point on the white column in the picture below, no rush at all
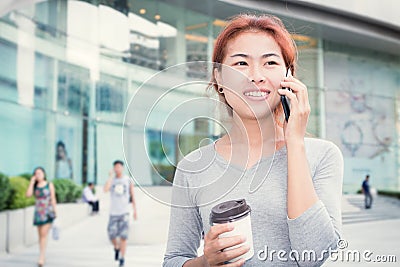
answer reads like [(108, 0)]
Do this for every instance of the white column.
[(51, 129), (91, 133), (210, 44), (321, 89), (180, 40), (397, 144), (26, 57)]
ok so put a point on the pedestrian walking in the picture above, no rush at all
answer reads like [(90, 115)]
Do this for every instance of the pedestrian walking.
[(366, 190), (45, 208), (121, 191)]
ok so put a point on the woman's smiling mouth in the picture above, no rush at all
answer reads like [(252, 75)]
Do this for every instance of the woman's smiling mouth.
[(261, 94)]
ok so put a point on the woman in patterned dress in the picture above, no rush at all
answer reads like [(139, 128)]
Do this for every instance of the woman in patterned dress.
[(45, 207)]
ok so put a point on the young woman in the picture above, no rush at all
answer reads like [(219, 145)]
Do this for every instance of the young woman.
[(45, 207), (293, 184), (63, 162)]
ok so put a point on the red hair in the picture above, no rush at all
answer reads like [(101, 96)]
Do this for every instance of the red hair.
[(264, 23)]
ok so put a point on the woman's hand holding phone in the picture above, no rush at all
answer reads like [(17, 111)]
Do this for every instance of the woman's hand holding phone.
[(214, 253), (29, 191), (295, 127), (284, 100)]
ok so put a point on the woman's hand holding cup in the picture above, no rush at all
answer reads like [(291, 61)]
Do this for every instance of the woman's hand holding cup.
[(215, 252)]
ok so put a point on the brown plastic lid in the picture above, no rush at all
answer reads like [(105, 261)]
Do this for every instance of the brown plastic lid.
[(229, 211)]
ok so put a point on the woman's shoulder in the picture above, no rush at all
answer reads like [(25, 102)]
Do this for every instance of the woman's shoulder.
[(320, 148), (318, 144)]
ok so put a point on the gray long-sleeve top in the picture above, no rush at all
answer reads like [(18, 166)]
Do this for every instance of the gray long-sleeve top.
[(203, 178)]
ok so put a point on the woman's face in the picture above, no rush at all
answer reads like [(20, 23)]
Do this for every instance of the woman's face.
[(251, 73), (61, 151), (39, 174)]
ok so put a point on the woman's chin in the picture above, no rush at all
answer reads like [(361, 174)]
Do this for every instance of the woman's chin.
[(256, 115)]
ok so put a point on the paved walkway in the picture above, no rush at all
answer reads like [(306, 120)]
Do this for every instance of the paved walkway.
[(85, 244), (376, 230)]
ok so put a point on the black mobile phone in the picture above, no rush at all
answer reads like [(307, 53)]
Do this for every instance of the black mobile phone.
[(284, 100)]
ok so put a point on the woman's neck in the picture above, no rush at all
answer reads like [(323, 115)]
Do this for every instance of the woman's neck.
[(255, 132), (42, 183)]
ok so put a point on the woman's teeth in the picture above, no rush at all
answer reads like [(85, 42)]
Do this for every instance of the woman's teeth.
[(256, 93)]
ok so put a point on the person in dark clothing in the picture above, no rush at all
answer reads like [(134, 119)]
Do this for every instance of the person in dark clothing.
[(367, 192)]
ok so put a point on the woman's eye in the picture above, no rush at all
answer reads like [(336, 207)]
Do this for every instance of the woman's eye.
[(241, 63), (271, 63)]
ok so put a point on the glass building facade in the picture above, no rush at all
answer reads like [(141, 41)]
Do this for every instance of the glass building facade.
[(69, 70)]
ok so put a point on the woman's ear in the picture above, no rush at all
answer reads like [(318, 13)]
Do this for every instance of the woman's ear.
[(217, 77)]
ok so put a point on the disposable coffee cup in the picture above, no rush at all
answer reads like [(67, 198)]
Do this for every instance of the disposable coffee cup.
[(236, 212)]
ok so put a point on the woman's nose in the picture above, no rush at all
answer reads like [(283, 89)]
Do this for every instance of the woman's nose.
[(260, 80), (256, 75)]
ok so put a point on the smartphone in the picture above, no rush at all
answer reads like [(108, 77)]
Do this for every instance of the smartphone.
[(284, 100)]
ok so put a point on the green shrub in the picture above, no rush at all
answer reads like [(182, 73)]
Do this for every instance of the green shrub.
[(5, 191), (26, 175), (389, 193), (18, 199), (67, 191)]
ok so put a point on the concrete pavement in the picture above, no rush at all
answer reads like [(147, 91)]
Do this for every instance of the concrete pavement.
[(372, 232), (86, 243)]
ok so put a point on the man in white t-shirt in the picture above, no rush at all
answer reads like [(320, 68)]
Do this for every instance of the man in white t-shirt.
[(90, 198), (121, 188)]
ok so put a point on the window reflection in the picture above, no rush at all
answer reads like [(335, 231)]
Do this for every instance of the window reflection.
[(44, 71), (109, 94), (73, 89), (8, 73)]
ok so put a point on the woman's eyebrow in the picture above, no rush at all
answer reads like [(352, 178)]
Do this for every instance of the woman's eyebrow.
[(270, 55), (239, 55), (263, 56)]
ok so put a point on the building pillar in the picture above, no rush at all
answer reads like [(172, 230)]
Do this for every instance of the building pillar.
[(26, 57), (321, 90), (397, 136), (91, 135), (180, 40), (51, 114)]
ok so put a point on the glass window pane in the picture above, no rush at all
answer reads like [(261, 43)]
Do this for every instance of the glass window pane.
[(8, 73)]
